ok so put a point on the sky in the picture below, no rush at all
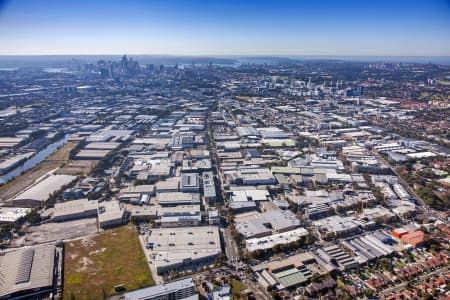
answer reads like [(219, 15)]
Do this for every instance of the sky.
[(227, 27)]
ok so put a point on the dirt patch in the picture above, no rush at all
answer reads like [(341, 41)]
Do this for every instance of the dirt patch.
[(77, 167), (94, 265)]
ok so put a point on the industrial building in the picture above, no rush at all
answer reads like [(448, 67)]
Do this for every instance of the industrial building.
[(110, 213), (102, 146), (169, 185), (40, 192), (29, 272), (333, 257), (177, 248), (92, 154), (415, 239), (289, 272), (337, 225), (268, 242), (10, 163), (75, 209), (190, 182), (109, 134), (180, 215), (263, 224), (177, 198), (369, 247), (12, 214), (181, 289), (250, 176), (209, 187), (138, 194)]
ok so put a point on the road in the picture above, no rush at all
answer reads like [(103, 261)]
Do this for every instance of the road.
[(424, 208), (230, 245)]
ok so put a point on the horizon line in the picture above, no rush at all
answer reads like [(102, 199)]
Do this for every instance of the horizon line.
[(228, 55)]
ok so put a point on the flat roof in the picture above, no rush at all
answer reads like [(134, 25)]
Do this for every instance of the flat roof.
[(162, 290), (177, 197), (270, 241), (109, 211), (92, 153), (12, 214), (74, 207), (102, 146), (173, 246)]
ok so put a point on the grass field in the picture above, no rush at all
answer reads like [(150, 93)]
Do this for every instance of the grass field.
[(93, 266), (52, 162)]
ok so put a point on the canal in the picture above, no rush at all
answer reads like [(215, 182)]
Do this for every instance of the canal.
[(34, 160)]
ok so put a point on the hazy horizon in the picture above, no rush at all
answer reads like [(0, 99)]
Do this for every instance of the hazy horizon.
[(64, 60)]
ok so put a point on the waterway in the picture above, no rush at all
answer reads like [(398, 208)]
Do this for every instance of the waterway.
[(34, 160)]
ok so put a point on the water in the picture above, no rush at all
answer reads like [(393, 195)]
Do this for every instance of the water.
[(34, 160)]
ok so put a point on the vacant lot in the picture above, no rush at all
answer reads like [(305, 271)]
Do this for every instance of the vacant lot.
[(51, 163), (50, 232), (77, 167), (93, 266), (63, 153)]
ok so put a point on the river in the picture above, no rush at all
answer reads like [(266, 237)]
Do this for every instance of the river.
[(34, 160)]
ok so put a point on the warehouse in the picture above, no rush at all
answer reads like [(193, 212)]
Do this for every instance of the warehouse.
[(288, 272), (369, 247), (176, 248), (249, 195), (281, 220), (180, 215), (177, 198), (102, 146), (263, 224), (209, 188), (273, 240), (169, 185), (246, 131), (13, 161), (10, 142), (135, 194), (160, 168), (110, 213), (190, 182), (252, 228), (75, 209), (272, 133), (28, 272), (251, 176), (92, 154), (110, 134), (181, 289), (332, 256), (40, 192), (337, 225), (12, 214), (401, 192)]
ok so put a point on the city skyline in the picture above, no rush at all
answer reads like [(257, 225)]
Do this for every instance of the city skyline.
[(381, 28)]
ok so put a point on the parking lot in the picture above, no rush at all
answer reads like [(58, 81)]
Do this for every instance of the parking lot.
[(50, 232)]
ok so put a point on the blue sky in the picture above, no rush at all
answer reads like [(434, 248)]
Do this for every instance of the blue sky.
[(189, 27)]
